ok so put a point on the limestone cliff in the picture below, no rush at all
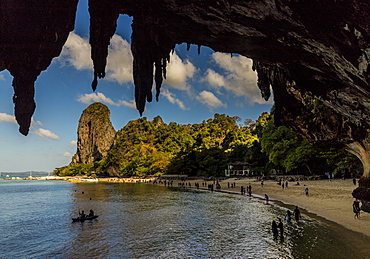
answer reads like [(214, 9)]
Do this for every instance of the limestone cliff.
[(95, 134)]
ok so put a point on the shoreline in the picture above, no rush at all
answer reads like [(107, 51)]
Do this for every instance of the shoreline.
[(330, 200)]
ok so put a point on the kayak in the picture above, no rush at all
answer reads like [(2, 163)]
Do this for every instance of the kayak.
[(79, 219)]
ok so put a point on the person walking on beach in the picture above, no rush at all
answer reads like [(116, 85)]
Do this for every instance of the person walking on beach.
[(288, 216), (267, 199), (306, 190), (297, 213), (356, 209), (262, 182)]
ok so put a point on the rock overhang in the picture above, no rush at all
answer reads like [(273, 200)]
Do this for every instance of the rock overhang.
[(320, 48)]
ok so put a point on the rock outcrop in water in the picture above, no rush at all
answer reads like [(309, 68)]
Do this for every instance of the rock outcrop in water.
[(95, 134), (303, 49)]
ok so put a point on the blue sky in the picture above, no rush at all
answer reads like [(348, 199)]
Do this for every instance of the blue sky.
[(197, 86)]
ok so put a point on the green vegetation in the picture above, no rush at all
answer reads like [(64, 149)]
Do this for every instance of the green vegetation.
[(145, 148)]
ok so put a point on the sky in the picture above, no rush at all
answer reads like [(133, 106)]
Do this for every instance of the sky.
[(197, 86)]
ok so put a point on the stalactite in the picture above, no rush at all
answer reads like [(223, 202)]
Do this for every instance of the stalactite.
[(158, 78), (264, 79), (150, 47), (24, 103), (32, 33), (103, 23)]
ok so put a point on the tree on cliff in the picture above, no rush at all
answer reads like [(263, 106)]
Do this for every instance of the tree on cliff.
[(145, 147), (289, 151)]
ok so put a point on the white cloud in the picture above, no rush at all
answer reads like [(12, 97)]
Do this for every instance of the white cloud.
[(214, 78), (100, 97), (172, 99), (239, 77), (119, 62), (131, 104), (2, 77), (210, 100), (72, 143), (35, 123), (7, 118), (67, 154), (45, 134), (11, 118), (76, 52), (96, 97), (179, 72)]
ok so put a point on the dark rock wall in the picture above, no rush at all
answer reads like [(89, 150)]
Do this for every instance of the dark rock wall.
[(32, 33), (300, 48)]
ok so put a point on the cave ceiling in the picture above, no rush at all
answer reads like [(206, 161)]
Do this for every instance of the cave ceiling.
[(299, 48)]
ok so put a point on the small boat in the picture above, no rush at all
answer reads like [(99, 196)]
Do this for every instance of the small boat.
[(82, 219)]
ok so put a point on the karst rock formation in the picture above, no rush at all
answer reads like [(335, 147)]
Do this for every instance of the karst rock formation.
[(313, 53), (95, 134)]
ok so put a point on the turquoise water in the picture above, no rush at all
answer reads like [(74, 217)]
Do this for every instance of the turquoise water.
[(148, 221)]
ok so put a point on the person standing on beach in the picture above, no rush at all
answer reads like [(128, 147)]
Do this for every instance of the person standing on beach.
[(267, 199), (297, 213), (262, 182), (356, 209), (274, 228), (281, 227), (306, 190)]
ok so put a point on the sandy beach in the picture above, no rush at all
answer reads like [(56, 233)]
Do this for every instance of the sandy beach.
[(327, 201), (331, 200)]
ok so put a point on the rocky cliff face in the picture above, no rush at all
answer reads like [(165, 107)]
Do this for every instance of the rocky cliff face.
[(95, 134), (320, 47)]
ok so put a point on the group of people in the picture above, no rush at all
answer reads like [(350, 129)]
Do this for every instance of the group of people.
[(283, 185), (83, 215), (247, 189), (275, 227)]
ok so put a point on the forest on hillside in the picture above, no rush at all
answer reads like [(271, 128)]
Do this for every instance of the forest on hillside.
[(153, 148)]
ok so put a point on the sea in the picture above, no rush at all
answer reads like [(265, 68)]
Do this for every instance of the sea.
[(151, 221)]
